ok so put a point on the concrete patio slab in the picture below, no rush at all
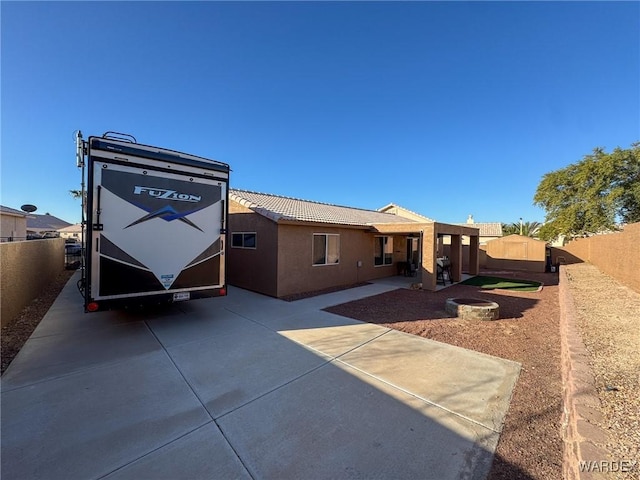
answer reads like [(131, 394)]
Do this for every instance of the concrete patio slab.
[(227, 371), (51, 356), (337, 422), (199, 323), (342, 296), (335, 340), (303, 318), (89, 423), (263, 308), (201, 454), (469, 383), (67, 315), (271, 311)]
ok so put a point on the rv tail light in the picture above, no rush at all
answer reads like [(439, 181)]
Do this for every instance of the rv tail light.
[(223, 291), (93, 307)]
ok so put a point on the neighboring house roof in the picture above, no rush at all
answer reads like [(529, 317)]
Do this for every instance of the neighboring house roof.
[(12, 211), (279, 208), (489, 229), (75, 228), (405, 212), (45, 222)]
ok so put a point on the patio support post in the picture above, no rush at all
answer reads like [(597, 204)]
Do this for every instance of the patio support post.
[(456, 257), (420, 260), (428, 246), (474, 255)]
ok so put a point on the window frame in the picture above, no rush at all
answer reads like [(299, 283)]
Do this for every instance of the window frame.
[(243, 246), (384, 254), (326, 249)]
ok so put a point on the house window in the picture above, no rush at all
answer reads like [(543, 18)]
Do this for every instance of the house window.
[(243, 239), (383, 251), (326, 249)]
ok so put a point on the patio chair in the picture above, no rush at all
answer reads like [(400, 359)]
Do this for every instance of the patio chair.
[(411, 269), (443, 271)]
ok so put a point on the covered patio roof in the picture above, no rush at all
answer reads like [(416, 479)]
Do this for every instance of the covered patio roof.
[(429, 233)]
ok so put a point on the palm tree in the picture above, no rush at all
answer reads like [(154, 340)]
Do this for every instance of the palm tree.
[(528, 229)]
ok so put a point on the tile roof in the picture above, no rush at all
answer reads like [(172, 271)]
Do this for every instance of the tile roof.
[(76, 227), (394, 207), (45, 222), (279, 208), (489, 229), (12, 211)]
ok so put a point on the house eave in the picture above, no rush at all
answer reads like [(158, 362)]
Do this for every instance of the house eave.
[(288, 221)]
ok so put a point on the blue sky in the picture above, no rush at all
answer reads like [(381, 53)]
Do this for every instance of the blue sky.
[(446, 108)]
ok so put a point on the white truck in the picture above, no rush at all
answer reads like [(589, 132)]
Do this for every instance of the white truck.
[(155, 223)]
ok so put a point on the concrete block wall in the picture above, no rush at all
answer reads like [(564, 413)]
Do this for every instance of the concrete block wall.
[(615, 254), (25, 269)]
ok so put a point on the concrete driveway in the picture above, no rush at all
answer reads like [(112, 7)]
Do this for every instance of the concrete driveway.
[(246, 386)]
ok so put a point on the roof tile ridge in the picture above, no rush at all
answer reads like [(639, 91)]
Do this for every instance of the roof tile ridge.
[(408, 210), (270, 214), (312, 201)]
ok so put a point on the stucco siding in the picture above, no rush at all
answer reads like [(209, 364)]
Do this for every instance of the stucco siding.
[(252, 269), (297, 274), (13, 228)]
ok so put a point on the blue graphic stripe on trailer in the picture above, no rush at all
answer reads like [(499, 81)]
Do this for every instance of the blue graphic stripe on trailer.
[(168, 214)]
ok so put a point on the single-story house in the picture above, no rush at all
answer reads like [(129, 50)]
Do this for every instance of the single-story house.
[(13, 224), (71, 232), (47, 223), (488, 230), (283, 246)]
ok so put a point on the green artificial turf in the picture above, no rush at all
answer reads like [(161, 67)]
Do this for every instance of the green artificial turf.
[(490, 283)]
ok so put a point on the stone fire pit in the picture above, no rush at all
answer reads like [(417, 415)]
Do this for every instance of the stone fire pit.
[(472, 308)]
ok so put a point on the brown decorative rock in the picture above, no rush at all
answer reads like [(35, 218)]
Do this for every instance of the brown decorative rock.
[(472, 308)]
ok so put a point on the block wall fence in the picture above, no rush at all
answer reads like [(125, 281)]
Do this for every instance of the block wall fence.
[(25, 270), (614, 254)]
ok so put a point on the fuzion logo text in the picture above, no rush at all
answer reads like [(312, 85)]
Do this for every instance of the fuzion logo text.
[(166, 194)]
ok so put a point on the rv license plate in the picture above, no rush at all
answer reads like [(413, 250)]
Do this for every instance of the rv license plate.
[(180, 296)]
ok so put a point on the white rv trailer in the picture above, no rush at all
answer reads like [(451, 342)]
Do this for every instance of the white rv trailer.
[(155, 223)]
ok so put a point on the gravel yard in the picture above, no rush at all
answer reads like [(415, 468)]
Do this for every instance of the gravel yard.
[(609, 324)]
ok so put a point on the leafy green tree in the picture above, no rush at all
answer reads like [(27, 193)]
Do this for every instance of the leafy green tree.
[(528, 229), (628, 162), (591, 195)]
